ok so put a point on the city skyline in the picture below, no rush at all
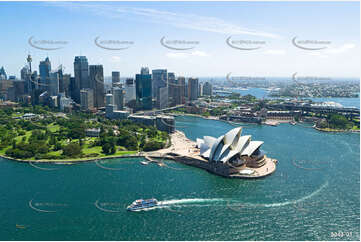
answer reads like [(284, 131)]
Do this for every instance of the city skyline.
[(208, 28)]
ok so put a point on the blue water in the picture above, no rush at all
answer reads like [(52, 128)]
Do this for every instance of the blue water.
[(87, 201)]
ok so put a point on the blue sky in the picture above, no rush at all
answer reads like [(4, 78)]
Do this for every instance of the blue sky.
[(208, 23)]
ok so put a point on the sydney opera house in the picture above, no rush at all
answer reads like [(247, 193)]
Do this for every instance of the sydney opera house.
[(235, 154)]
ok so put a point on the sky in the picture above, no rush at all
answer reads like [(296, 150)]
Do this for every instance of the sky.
[(267, 28)]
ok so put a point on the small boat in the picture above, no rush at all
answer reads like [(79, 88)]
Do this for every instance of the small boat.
[(144, 163), (293, 123), (141, 204), (20, 226)]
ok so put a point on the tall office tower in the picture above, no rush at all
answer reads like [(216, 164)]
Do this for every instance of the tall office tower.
[(81, 74), (19, 86), (86, 99), (162, 98), (192, 89), (200, 89), (144, 71), (6, 89), (24, 73), (143, 90), (129, 89), (159, 79), (53, 84), (3, 75), (207, 89), (118, 97), (61, 76), (44, 72), (96, 77), (25, 76), (172, 89), (115, 77), (186, 91), (64, 85), (180, 91), (109, 99), (73, 91)]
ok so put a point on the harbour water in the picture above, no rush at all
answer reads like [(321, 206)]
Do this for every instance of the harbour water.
[(313, 194)]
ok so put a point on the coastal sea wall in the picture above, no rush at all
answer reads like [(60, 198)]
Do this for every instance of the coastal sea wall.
[(216, 168)]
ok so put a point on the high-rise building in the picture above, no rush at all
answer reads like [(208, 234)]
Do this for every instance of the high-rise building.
[(44, 72), (64, 84), (129, 89), (115, 77), (192, 89), (172, 89), (207, 89), (3, 75), (118, 97), (162, 98), (200, 89), (25, 76), (159, 79), (87, 99), (19, 86), (143, 87), (81, 75), (109, 99), (144, 71), (53, 84), (96, 77), (180, 91)]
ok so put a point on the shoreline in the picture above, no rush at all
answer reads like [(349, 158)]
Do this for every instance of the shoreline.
[(184, 151), (336, 130)]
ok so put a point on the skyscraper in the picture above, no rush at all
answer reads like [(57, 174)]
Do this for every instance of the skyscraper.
[(144, 71), (44, 72), (64, 84), (162, 98), (180, 91), (118, 97), (115, 77), (96, 77), (207, 89), (200, 89), (53, 84), (172, 89), (129, 89), (192, 89), (25, 76), (81, 74), (159, 79), (3, 75), (86, 99), (143, 87)]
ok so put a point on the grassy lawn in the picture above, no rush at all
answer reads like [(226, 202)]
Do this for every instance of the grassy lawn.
[(53, 127), (27, 135)]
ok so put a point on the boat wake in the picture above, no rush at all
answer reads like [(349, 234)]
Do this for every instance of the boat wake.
[(190, 201), (281, 204)]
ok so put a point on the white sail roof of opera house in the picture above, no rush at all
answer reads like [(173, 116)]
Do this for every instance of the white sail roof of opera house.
[(227, 146)]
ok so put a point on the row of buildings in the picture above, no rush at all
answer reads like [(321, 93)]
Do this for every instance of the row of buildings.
[(86, 89)]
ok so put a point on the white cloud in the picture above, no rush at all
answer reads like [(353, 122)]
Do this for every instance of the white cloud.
[(182, 55), (181, 20)]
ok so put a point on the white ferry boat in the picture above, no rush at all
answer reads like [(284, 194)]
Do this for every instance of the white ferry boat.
[(141, 204)]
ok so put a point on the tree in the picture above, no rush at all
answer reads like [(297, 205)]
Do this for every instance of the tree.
[(72, 150), (153, 145)]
